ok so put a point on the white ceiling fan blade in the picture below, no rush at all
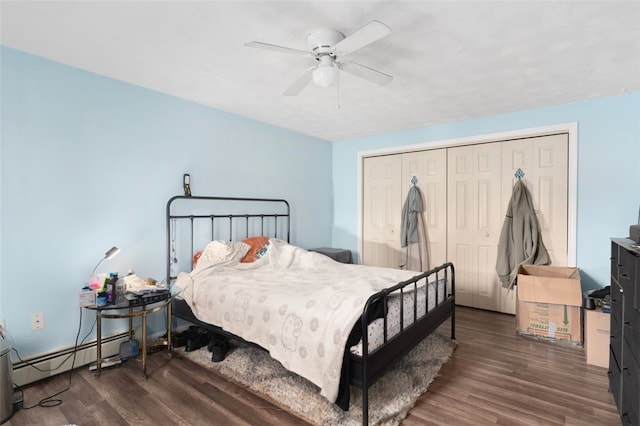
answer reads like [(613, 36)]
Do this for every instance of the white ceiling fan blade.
[(366, 73), (300, 83), (373, 31), (267, 46)]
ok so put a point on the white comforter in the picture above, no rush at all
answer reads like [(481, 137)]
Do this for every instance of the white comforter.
[(299, 305)]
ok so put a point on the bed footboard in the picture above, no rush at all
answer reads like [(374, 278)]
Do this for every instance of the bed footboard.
[(367, 368)]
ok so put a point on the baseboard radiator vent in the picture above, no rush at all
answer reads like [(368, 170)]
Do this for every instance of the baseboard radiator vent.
[(61, 360)]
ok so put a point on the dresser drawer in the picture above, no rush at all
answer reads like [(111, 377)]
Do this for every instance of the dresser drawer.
[(614, 261), (615, 383), (629, 418), (628, 275), (617, 301), (631, 329), (630, 385), (631, 372), (615, 336)]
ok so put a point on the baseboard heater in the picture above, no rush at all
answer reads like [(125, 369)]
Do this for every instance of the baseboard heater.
[(24, 373)]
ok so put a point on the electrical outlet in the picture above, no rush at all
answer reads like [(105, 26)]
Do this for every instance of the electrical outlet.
[(37, 321)]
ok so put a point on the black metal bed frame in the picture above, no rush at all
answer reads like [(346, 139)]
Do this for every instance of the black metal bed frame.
[(369, 367), (363, 370), (280, 209)]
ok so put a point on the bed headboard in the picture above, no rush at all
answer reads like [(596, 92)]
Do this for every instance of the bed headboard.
[(194, 221)]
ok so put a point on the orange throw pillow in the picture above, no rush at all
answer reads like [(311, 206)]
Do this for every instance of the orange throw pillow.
[(196, 256), (258, 248)]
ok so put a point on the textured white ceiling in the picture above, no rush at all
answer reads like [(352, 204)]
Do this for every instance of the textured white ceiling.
[(450, 60)]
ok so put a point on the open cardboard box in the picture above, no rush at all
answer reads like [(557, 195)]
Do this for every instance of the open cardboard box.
[(549, 303)]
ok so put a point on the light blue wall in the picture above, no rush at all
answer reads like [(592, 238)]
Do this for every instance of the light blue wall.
[(608, 171), (90, 162)]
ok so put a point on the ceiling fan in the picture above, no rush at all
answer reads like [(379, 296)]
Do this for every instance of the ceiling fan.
[(328, 47)]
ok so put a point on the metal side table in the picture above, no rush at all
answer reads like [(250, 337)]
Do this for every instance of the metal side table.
[(140, 306)]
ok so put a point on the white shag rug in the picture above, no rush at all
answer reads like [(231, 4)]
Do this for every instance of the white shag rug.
[(390, 398)]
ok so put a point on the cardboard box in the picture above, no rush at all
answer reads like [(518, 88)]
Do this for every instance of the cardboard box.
[(596, 337), (549, 303)]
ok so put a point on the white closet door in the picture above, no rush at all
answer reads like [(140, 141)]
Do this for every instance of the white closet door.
[(466, 199), (544, 161), (430, 168), (382, 208), (474, 222)]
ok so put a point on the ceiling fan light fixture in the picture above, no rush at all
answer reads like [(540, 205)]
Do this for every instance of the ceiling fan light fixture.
[(326, 74), (328, 47)]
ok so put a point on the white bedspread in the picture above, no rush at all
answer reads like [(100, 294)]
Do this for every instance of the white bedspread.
[(299, 305)]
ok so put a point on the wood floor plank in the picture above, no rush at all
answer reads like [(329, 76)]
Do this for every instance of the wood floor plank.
[(459, 408), (495, 377)]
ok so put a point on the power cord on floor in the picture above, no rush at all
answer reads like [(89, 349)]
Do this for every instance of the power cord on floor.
[(51, 400)]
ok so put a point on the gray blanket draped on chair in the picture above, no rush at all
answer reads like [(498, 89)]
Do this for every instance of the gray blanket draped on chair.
[(520, 240)]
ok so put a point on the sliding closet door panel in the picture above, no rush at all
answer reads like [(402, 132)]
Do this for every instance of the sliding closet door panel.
[(544, 161), (461, 252), (430, 170), (382, 207), (488, 223), (551, 191), (487, 292), (474, 222), (460, 240)]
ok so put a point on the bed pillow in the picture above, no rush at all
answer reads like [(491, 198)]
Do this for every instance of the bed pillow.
[(258, 248), (196, 256), (219, 251)]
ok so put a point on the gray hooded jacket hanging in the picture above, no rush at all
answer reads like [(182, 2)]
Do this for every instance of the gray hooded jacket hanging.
[(520, 240), (411, 210), (413, 235)]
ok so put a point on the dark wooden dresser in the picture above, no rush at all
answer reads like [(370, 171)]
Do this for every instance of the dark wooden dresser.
[(624, 348)]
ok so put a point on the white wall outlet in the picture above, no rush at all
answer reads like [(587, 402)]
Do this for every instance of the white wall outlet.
[(37, 321)]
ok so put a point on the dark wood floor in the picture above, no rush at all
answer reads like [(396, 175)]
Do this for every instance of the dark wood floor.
[(494, 377)]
